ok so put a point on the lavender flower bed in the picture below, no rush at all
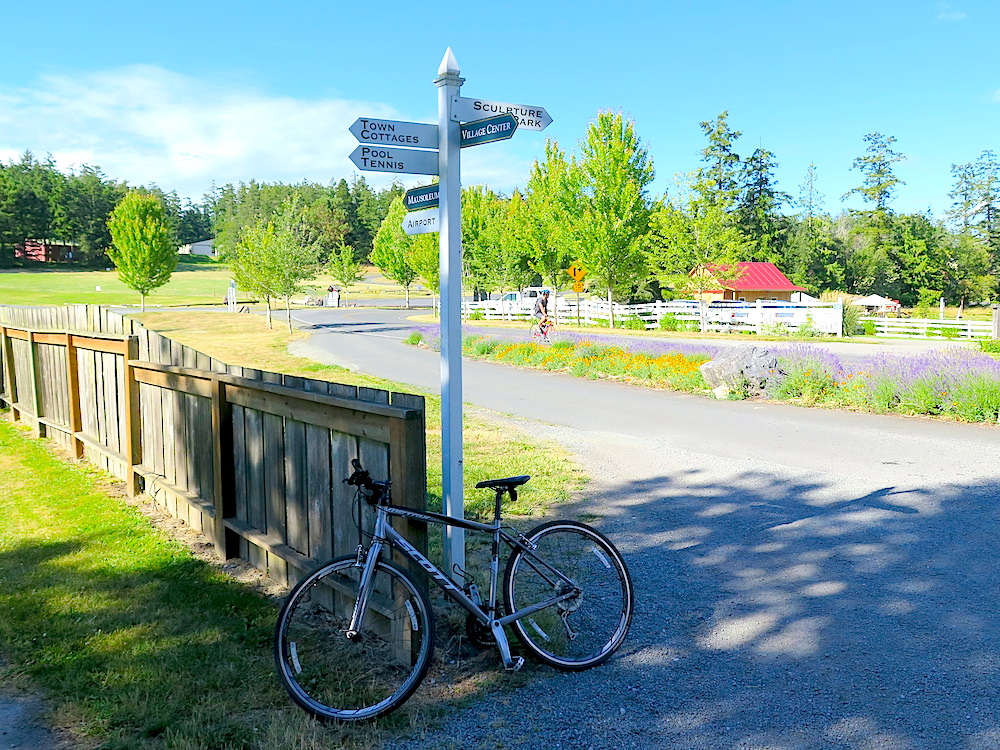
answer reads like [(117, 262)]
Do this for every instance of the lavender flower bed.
[(955, 383)]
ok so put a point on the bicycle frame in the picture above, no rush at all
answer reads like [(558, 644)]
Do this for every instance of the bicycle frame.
[(384, 535)]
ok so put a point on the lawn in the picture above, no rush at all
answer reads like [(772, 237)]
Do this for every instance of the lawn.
[(137, 643), (193, 283)]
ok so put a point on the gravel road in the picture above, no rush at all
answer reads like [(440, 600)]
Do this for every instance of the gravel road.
[(805, 578)]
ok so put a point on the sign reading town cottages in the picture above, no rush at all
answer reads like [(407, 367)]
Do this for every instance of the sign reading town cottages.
[(394, 133)]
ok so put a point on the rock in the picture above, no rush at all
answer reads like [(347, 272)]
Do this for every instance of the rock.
[(742, 368), (721, 392)]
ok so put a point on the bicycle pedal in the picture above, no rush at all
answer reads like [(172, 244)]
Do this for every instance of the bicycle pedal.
[(516, 663)]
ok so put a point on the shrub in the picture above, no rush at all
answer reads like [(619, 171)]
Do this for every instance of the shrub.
[(868, 326), (990, 346), (414, 339), (852, 325), (669, 322), (634, 323), (477, 315)]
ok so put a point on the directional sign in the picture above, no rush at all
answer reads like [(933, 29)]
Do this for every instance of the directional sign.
[(393, 133), (408, 160), (498, 128), (421, 197), (422, 222), (528, 117), (576, 272)]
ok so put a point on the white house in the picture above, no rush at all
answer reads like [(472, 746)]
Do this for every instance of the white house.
[(202, 247)]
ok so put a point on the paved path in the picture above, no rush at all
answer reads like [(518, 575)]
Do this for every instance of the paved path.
[(806, 578)]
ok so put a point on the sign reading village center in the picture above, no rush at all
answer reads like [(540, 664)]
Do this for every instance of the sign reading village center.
[(489, 130)]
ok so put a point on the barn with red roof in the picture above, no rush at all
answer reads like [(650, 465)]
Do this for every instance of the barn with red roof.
[(747, 281)]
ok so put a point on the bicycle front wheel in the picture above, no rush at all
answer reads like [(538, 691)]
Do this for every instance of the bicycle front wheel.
[(586, 628), (351, 679)]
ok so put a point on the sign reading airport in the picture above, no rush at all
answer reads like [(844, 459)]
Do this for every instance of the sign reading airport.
[(422, 222)]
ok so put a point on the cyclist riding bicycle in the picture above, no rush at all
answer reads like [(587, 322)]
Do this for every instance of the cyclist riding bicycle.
[(541, 310)]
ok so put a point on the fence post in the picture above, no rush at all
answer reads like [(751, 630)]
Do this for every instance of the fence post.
[(36, 406), (408, 464), (133, 419), (996, 321), (227, 544), (10, 380), (73, 393)]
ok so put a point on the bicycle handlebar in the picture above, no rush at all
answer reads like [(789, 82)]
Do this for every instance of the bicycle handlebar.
[(363, 480)]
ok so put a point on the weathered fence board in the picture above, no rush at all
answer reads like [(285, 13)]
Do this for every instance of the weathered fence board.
[(253, 459)]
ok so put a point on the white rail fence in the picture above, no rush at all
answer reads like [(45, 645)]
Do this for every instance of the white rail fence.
[(929, 328), (760, 316)]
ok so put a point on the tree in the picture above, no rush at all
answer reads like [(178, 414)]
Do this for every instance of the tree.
[(344, 266), (273, 257), (687, 236), (144, 247), (613, 207), (545, 229), (424, 258), (758, 209), (391, 247), (721, 177)]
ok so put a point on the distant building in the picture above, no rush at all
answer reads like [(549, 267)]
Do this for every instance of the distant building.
[(47, 251), (755, 281), (201, 247)]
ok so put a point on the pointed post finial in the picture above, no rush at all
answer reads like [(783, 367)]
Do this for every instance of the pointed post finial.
[(449, 65)]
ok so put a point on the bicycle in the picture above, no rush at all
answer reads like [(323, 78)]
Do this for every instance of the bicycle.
[(354, 639), (543, 331)]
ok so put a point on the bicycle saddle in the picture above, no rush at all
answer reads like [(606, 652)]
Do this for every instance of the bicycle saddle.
[(508, 483)]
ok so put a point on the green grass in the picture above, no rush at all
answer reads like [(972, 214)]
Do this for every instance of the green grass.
[(201, 282), (138, 644)]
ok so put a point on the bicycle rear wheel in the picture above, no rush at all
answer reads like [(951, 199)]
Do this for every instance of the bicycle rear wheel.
[(333, 677), (586, 629)]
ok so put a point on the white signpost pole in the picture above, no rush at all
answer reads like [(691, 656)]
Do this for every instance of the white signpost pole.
[(449, 149)]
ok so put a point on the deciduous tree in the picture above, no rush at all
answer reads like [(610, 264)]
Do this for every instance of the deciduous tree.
[(144, 247)]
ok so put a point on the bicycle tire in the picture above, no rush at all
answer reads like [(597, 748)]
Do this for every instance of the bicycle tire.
[(535, 332), (339, 679), (599, 616)]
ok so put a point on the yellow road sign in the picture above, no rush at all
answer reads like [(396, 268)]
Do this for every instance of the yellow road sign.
[(577, 286), (576, 272)]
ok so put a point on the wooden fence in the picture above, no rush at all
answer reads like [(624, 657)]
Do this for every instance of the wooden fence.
[(253, 459)]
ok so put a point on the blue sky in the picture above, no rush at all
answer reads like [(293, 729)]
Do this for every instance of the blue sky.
[(190, 93)]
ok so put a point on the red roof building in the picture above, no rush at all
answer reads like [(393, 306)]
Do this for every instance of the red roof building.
[(748, 282)]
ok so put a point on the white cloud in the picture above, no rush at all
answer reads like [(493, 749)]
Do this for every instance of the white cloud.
[(148, 125), (948, 13)]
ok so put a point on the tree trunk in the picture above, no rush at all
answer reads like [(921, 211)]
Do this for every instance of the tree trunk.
[(288, 313), (268, 303), (611, 311), (142, 302)]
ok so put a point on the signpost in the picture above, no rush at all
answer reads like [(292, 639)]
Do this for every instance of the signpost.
[(577, 272), (419, 198), (488, 130), (382, 159), (437, 208), (528, 117), (394, 133), (422, 222)]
